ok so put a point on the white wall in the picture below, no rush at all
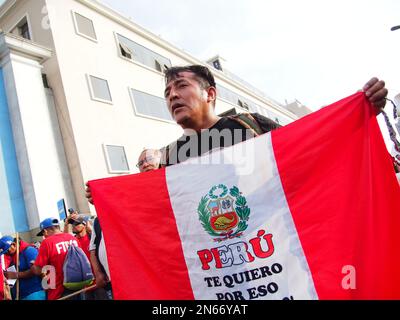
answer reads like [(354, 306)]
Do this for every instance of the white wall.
[(93, 122)]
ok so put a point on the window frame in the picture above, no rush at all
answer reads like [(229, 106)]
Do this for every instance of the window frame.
[(138, 114), (75, 22), (134, 61), (128, 51), (158, 64), (108, 161), (92, 96), (28, 21), (25, 30), (232, 104), (240, 99)]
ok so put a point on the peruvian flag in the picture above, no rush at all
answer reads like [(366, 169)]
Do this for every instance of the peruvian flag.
[(309, 211)]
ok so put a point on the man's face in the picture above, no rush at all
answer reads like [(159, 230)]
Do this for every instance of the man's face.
[(77, 228), (12, 250), (149, 160), (187, 100), (46, 233)]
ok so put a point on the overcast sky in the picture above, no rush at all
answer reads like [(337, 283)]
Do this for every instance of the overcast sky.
[(314, 51)]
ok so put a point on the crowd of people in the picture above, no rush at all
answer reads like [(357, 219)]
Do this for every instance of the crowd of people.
[(191, 96)]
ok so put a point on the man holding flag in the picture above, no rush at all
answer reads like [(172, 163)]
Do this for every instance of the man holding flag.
[(209, 230)]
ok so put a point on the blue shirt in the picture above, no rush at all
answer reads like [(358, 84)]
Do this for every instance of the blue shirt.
[(33, 284)]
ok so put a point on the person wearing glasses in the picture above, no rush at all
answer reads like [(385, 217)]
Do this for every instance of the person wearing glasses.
[(149, 159)]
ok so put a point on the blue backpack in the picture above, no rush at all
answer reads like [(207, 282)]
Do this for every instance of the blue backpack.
[(77, 271)]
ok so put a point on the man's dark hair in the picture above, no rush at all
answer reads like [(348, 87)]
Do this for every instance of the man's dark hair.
[(202, 73)]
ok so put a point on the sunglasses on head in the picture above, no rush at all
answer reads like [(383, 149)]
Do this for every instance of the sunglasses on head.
[(75, 223)]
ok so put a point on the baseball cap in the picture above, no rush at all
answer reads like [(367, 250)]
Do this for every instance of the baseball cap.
[(47, 223), (79, 219), (5, 244)]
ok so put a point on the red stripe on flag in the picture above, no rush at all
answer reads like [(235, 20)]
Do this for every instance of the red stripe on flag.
[(344, 198), (144, 249)]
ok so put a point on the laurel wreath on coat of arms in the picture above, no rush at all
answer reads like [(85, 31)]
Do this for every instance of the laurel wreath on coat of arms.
[(222, 213)]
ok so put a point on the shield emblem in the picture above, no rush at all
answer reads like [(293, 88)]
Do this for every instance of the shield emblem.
[(223, 215)]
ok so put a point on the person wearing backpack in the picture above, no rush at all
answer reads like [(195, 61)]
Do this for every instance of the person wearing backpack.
[(30, 285), (52, 252), (82, 234)]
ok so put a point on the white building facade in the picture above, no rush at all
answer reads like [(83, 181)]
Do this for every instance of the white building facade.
[(83, 90)]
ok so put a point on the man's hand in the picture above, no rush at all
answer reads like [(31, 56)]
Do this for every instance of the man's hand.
[(376, 93), (11, 275), (73, 216), (101, 279), (88, 193)]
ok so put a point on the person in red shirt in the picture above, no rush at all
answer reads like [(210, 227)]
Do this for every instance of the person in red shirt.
[(82, 234), (73, 214), (52, 252), (3, 283)]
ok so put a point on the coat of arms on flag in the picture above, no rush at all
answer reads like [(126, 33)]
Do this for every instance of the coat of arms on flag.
[(223, 214)]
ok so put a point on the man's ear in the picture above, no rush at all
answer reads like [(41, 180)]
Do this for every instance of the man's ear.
[(211, 94)]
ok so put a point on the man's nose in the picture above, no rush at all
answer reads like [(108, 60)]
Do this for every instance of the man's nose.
[(145, 165), (173, 94)]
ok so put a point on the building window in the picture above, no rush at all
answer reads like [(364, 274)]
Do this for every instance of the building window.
[(264, 112), (236, 99), (116, 159), (157, 66), (22, 29), (148, 105), (275, 117), (125, 51), (217, 65), (84, 26), (133, 51), (251, 108), (45, 82), (99, 89), (243, 104)]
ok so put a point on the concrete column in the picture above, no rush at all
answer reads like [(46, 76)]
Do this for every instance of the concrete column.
[(38, 144)]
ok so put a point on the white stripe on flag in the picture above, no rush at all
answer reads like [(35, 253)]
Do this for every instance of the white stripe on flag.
[(283, 274)]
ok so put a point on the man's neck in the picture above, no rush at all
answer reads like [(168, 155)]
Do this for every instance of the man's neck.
[(54, 233), (81, 234), (204, 124)]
